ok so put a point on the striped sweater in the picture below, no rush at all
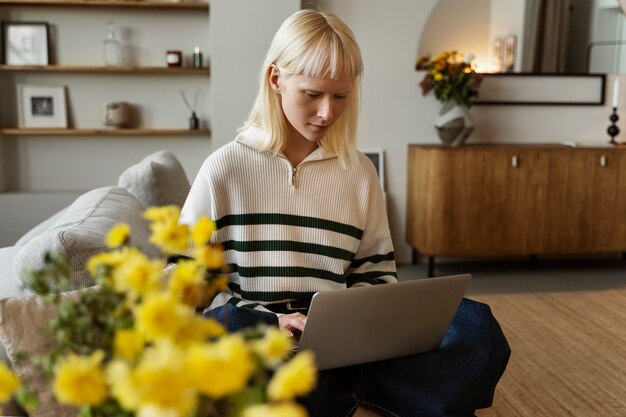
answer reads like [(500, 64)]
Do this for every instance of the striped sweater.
[(287, 231)]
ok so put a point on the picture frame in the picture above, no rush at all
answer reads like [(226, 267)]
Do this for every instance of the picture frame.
[(42, 106), (542, 89), (25, 43), (377, 156)]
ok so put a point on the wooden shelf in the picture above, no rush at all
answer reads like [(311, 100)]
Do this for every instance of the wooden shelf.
[(104, 132), (110, 70), (200, 6)]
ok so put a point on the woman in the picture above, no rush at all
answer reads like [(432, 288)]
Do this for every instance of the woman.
[(300, 210)]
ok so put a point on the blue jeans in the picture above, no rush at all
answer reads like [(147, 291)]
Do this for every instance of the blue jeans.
[(452, 381)]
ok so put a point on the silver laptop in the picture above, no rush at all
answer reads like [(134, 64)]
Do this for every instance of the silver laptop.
[(366, 324)]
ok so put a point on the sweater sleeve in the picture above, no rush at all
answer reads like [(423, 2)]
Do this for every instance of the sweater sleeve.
[(374, 262)]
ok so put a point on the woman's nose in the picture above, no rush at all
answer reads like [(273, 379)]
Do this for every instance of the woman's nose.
[(325, 111)]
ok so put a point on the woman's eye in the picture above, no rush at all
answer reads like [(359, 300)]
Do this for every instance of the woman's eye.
[(341, 97), (312, 94)]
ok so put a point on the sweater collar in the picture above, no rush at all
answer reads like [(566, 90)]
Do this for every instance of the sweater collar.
[(253, 138)]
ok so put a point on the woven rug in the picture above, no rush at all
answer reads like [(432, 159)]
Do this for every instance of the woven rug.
[(568, 354)]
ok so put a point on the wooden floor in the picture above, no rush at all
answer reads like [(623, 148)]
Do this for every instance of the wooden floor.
[(565, 320), (568, 353)]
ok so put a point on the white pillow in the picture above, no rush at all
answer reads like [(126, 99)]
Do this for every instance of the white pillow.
[(81, 231), (158, 180)]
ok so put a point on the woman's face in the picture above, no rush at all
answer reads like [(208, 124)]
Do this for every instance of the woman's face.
[(311, 105)]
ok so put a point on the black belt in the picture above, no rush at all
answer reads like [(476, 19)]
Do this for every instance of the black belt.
[(296, 306)]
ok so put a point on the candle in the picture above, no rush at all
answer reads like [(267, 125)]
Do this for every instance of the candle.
[(615, 92)]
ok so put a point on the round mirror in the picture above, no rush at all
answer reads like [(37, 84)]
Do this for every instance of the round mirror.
[(533, 36)]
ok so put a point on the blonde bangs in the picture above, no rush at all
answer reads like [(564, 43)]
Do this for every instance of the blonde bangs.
[(328, 50), (325, 57)]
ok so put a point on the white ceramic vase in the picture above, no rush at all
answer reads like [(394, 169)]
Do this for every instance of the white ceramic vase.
[(454, 123)]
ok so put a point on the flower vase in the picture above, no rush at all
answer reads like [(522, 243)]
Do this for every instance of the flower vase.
[(454, 123)]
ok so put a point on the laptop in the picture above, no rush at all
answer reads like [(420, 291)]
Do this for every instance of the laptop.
[(366, 324)]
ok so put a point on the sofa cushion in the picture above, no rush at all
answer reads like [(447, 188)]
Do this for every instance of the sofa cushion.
[(80, 233), (9, 285), (23, 324), (40, 228), (158, 180)]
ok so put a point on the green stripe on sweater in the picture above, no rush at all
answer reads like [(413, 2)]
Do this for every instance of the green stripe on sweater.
[(372, 277), (290, 220), (264, 296), (373, 259), (289, 245), (285, 271)]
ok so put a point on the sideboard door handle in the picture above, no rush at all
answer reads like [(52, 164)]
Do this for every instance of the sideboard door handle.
[(602, 160), (514, 161)]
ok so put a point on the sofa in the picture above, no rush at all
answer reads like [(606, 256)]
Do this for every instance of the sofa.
[(76, 232)]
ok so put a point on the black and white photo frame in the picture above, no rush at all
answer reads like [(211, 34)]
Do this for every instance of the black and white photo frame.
[(42, 106), (25, 43)]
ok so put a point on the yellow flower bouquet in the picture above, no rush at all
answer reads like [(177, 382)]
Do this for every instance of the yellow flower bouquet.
[(134, 345), (450, 76)]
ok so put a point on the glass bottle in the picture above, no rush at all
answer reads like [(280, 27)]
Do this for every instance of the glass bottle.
[(112, 47)]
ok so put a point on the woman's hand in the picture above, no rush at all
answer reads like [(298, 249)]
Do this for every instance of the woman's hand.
[(290, 323)]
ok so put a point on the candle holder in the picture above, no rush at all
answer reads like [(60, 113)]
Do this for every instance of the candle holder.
[(613, 130)]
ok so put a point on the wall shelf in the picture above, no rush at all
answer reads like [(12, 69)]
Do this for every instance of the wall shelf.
[(199, 6), (103, 69), (104, 132)]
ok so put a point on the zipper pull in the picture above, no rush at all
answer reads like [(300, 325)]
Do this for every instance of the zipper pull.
[(294, 176)]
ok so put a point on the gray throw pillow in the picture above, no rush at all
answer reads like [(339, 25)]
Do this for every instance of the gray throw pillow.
[(158, 180), (80, 233)]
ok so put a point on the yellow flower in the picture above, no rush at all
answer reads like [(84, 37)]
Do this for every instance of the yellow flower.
[(166, 214), (80, 380), (104, 259), (274, 346), (159, 386), (202, 231), (118, 235), (198, 330), (128, 344), (221, 368), (136, 274), (124, 388), (275, 410), (170, 236), (211, 256), (8, 383), (167, 234), (161, 316), (186, 282), (296, 378), (438, 76)]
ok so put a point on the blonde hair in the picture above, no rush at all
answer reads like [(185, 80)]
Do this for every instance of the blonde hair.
[(315, 44)]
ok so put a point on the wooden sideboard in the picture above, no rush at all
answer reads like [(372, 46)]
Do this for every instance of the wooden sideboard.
[(496, 200)]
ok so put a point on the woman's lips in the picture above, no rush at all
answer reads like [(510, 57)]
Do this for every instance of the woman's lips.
[(318, 128)]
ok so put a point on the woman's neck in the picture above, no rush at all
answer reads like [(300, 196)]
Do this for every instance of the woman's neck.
[(298, 149)]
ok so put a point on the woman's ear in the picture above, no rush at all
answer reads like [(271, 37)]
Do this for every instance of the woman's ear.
[(274, 78)]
